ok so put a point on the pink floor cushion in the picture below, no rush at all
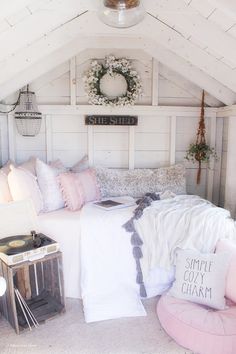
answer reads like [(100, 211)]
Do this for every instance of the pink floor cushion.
[(197, 327)]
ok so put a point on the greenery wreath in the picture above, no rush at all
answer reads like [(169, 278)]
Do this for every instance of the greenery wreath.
[(113, 67)]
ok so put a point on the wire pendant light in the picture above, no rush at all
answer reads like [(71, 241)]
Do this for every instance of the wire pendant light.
[(27, 116), (121, 13)]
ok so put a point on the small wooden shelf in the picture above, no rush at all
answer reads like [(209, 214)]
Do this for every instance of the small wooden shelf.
[(40, 283)]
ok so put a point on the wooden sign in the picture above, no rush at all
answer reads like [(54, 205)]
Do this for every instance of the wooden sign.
[(111, 120)]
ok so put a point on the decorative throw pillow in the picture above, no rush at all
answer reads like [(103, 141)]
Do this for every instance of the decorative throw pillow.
[(23, 185), (136, 183), (229, 247), (79, 188), (201, 278), (49, 186), (5, 195), (81, 165)]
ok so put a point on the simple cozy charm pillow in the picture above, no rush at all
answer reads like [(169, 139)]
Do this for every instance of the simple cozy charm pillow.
[(23, 185), (136, 183), (49, 186), (79, 188), (201, 278)]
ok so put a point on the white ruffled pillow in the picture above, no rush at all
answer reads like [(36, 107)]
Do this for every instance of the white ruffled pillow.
[(49, 186), (23, 185)]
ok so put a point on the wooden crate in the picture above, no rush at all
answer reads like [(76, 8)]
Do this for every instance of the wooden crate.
[(40, 283)]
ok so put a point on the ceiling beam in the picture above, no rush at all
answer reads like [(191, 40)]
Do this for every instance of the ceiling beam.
[(176, 43), (51, 16), (88, 32), (197, 26), (75, 47)]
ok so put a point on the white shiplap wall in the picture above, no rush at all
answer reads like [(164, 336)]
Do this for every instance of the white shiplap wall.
[(161, 137), (68, 138)]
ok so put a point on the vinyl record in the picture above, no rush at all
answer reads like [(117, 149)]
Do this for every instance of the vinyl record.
[(16, 244)]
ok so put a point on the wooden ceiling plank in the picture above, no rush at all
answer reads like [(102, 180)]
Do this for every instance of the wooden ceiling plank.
[(226, 6), (11, 7), (27, 31), (206, 32)]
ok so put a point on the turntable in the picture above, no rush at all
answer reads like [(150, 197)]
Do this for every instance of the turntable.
[(22, 248)]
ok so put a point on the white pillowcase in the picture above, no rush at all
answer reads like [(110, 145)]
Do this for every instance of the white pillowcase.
[(49, 186), (5, 195), (23, 185), (201, 278)]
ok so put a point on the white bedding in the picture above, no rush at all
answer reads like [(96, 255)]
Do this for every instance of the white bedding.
[(97, 252), (108, 278)]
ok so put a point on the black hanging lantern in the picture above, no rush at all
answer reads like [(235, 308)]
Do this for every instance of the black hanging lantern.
[(28, 118)]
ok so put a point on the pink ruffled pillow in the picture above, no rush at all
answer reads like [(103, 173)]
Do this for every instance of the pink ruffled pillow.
[(79, 188), (228, 246)]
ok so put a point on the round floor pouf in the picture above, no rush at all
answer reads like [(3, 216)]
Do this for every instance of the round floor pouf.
[(197, 327)]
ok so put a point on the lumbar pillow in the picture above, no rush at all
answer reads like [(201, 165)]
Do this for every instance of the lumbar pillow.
[(201, 278), (5, 195), (79, 188), (49, 186), (23, 185), (229, 247), (136, 183)]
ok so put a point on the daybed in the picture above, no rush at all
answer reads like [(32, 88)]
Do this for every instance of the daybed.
[(110, 258)]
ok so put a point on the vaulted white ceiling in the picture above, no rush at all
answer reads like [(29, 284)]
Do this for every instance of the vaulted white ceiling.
[(194, 38)]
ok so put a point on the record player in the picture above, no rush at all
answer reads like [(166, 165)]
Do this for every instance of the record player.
[(22, 248)]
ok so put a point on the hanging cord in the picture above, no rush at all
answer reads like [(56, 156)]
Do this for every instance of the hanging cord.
[(14, 105), (201, 139)]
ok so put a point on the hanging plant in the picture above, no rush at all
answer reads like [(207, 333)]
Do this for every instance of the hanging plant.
[(114, 69), (200, 151)]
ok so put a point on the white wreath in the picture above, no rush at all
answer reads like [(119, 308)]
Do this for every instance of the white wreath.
[(113, 67)]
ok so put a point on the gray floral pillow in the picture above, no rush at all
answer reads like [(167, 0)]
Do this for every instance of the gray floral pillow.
[(136, 183)]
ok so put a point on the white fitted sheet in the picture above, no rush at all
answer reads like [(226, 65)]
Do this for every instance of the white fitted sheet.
[(64, 227)]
